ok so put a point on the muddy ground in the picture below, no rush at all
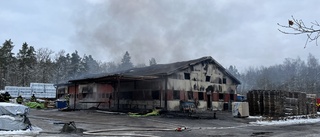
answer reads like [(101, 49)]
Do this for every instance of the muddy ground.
[(51, 122)]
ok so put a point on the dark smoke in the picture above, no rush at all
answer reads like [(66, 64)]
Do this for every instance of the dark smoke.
[(166, 30)]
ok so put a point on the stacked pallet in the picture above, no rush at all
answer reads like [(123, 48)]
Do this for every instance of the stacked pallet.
[(277, 103), (265, 102), (311, 103)]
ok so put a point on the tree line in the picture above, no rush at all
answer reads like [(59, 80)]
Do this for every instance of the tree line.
[(292, 75), (43, 66)]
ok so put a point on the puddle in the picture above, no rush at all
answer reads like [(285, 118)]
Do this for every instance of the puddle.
[(260, 133)]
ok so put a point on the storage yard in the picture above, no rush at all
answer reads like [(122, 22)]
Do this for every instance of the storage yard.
[(51, 122)]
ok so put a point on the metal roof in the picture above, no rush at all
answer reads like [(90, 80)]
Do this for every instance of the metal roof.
[(153, 72)]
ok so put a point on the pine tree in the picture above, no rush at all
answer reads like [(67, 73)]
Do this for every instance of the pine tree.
[(74, 65), (126, 62), (90, 65), (60, 67), (26, 64), (152, 61), (6, 58)]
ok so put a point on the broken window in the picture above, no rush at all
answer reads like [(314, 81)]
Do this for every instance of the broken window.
[(200, 96), (224, 81), (155, 94), (126, 95), (102, 95), (176, 94), (186, 75), (208, 78), (190, 95), (206, 67), (220, 88), (61, 91), (221, 96), (232, 97), (87, 90), (195, 87)]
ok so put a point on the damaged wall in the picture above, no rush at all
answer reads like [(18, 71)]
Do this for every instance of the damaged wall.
[(204, 82)]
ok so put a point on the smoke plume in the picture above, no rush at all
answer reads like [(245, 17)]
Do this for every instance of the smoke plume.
[(166, 30)]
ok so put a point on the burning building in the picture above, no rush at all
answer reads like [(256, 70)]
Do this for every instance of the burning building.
[(202, 81)]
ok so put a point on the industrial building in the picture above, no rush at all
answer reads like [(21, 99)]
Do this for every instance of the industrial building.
[(202, 81)]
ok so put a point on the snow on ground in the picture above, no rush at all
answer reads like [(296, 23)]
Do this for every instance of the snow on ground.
[(255, 117), (287, 122), (29, 132)]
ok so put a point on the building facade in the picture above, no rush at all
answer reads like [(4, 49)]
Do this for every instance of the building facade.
[(202, 81)]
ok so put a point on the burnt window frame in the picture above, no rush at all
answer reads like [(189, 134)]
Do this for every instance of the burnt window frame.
[(221, 96), (126, 95), (187, 76), (224, 80), (155, 94), (201, 95), (190, 95), (176, 94), (232, 97), (208, 78)]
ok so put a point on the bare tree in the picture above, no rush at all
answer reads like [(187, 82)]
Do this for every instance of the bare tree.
[(297, 27)]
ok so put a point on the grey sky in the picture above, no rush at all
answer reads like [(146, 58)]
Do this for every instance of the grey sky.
[(241, 33)]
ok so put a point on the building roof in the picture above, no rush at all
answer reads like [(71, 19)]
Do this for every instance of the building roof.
[(155, 71)]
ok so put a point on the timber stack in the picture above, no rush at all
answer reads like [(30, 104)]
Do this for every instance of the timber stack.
[(279, 103)]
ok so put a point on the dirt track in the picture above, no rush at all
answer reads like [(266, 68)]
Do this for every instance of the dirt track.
[(225, 125)]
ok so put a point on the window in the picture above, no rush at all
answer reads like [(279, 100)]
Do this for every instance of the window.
[(103, 95), (232, 97), (61, 91), (176, 94), (186, 75), (190, 95), (126, 95), (220, 81), (200, 96), (84, 95), (224, 81), (155, 94), (208, 78), (221, 96), (87, 89)]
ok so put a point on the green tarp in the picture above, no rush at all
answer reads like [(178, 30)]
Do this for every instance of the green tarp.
[(35, 105), (153, 113)]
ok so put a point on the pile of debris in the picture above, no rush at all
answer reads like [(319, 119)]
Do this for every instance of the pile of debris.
[(13, 117)]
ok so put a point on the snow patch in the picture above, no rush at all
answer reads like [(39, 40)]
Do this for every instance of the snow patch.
[(29, 132), (287, 122), (255, 117)]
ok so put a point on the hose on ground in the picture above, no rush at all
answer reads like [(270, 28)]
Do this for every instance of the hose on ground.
[(107, 132)]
